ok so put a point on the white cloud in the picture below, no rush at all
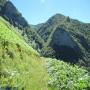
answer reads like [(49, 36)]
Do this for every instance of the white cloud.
[(42, 1)]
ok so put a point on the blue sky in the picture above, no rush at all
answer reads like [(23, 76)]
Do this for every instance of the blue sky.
[(39, 11)]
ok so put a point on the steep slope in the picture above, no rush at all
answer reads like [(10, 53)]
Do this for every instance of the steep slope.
[(66, 39), (21, 67), (32, 38), (9, 12), (46, 28)]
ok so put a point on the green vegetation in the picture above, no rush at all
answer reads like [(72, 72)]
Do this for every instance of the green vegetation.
[(6, 33), (2, 2), (64, 76), (20, 65), (33, 38)]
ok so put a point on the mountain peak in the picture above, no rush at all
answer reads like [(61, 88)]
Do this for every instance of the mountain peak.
[(57, 17), (11, 14)]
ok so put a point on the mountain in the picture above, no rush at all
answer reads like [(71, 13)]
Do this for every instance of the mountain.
[(22, 68), (10, 13), (66, 39)]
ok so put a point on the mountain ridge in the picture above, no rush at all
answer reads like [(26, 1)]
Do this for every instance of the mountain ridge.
[(78, 31)]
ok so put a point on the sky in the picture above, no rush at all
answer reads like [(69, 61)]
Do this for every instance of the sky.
[(39, 11)]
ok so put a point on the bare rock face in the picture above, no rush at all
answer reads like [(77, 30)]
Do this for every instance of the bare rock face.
[(65, 46), (10, 13)]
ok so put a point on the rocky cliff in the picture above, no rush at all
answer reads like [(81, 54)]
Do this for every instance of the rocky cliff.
[(10, 13), (64, 45)]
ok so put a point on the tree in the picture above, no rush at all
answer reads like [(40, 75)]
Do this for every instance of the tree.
[(68, 19), (2, 2)]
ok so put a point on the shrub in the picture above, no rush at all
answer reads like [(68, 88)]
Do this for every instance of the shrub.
[(63, 76)]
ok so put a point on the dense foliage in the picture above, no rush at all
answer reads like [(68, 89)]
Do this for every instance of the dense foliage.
[(64, 76), (32, 38), (2, 2)]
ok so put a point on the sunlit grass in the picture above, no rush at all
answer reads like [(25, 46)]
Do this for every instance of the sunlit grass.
[(20, 65)]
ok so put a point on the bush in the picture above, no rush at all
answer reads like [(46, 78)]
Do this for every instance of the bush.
[(63, 76), (2, 2), (5, 43)]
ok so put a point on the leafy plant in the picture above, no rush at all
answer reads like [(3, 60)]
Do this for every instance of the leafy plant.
[(64, 76)]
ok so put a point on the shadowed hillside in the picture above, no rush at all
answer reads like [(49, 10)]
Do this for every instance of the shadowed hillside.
[(66, 39)]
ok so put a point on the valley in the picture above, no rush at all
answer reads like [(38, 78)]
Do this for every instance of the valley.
[(54, 55)]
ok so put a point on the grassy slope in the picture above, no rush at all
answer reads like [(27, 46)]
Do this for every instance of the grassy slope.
[(20, 65)]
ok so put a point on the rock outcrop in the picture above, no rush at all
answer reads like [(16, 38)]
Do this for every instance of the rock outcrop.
[(65, 46), (10, 13)]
